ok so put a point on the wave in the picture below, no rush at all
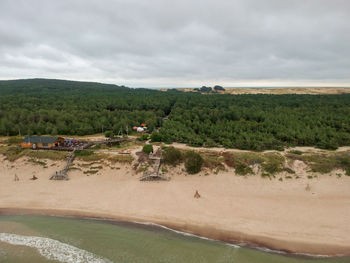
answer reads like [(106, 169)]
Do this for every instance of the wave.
[(238, 245), (53, 249)]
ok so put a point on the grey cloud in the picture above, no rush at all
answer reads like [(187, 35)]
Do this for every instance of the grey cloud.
[(158, 42)]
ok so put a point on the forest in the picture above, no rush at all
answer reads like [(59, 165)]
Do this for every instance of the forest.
[(253, 122)]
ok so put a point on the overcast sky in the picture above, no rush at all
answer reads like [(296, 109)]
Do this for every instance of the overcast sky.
[(145, 43)]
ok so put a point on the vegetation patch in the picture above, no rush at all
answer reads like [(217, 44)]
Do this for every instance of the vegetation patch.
[(271, 163), (156, 137), (296, 152), (91, 172), (38, 162), (125, 158), (288, 170), (266, 175), (172, 156), (193, 162), (144, 137), (325, 162), (89, 156), (213, 161), (81, 153), (74, 168), (142, 168), (148, 148), (96, 167), (12, 153), (243, 169), (15, 140), (46, 154)]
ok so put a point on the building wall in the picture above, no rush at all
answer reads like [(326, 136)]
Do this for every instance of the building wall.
[(26, 145), (47, 145), (38, 145)]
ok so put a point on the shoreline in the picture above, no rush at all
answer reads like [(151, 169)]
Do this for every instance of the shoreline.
[(236, 238)]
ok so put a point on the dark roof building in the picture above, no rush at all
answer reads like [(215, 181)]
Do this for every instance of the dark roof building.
[(40, 139)]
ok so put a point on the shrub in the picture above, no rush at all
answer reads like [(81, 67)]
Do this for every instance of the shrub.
[(193, 162), (148, 148), (156, 137), (271, 168), (83, 153), (288, 170), (144, 137), (108, 134), (242, 169), (13, 153), (266, 175), (296, 152), (273, 163), (213, 160), (172, 156), (14, 140)]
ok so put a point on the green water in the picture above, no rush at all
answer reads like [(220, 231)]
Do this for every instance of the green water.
[(120, 242)]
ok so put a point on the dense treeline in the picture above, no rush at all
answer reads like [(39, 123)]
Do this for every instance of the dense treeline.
[(255, 122), (260, 121)]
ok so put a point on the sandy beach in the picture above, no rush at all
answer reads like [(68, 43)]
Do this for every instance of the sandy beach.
[(251, 210)]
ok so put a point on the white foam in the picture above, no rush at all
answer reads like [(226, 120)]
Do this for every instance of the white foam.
[(185, 233), (53, 249)]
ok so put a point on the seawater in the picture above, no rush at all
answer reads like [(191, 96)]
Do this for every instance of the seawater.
[(54, 239)]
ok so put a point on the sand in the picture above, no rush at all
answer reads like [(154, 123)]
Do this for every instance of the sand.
[(270, 213), (278, 91)]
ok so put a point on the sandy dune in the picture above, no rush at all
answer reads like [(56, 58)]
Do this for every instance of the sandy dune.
[(281, 215), (286, 90)]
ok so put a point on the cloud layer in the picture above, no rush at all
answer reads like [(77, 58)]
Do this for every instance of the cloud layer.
[(178, 43)]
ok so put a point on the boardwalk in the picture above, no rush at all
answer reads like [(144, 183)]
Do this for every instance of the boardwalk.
[(62, 175), (155, 175)]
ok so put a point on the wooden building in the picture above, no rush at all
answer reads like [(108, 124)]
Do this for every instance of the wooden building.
[(44, 142)]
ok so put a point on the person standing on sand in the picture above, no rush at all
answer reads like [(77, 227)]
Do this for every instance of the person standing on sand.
[(197, 195)]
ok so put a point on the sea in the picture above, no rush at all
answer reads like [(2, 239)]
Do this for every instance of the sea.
[(36, 239)]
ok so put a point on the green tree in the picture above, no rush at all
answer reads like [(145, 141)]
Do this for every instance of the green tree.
[(156, 137)]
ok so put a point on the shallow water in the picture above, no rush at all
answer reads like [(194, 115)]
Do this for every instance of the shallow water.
[(54, 239)]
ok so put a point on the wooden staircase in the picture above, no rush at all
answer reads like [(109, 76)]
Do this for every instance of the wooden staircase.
[(63, 174), (155, 175)]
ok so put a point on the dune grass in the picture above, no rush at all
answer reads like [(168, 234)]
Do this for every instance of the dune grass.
[(213, 161), (13, 153), (90, 156), (46, 154), (271, 163), (325, 162)]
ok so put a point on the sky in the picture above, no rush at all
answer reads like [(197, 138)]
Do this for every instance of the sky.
[(182, 43)]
